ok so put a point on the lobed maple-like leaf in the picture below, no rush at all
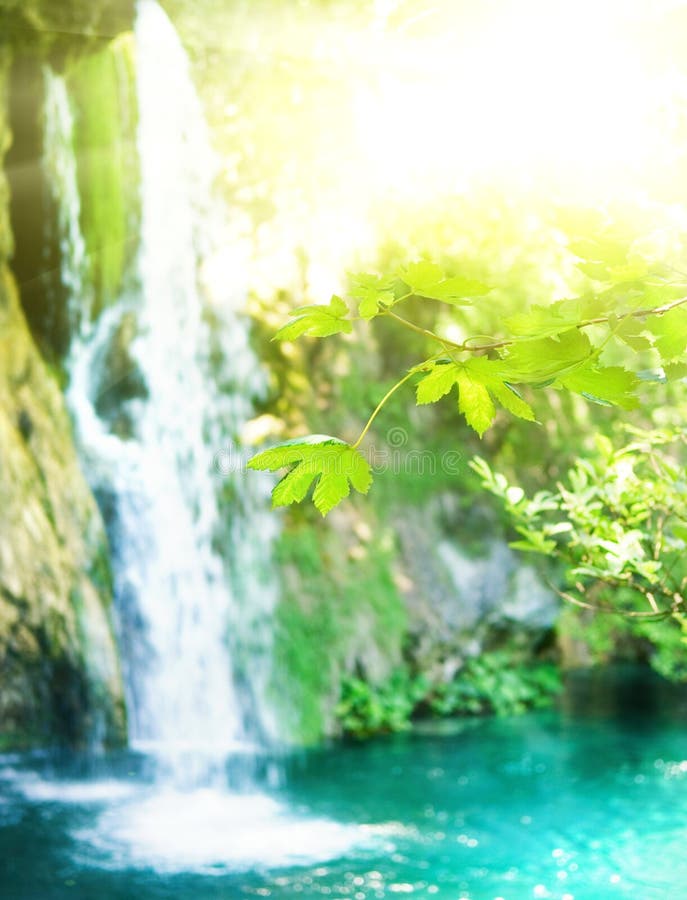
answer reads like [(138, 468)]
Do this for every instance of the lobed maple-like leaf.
[(426, 279), (317, 321), (372, 293), (479, 383), (330, 463)]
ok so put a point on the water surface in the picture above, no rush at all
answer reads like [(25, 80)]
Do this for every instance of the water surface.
[(587, 801)]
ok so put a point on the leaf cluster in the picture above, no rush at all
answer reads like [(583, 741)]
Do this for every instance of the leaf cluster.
[(632, 309), (618, 520), (495, 682)]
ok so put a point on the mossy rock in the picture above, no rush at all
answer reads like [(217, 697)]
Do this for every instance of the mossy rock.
[(340, 614), (102, 87), (59, 668), (56, 28)]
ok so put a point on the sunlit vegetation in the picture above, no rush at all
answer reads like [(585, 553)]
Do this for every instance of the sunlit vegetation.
[(343, 530), (531, 267)]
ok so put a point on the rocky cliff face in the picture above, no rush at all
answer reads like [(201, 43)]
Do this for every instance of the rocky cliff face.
[(55, 26), (366, 597), (59, 670)]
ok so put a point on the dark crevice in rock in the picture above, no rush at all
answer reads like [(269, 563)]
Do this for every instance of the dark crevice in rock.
[(59, 29), (25, 424), (36, 261)]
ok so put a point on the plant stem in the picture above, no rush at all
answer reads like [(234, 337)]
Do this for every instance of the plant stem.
[(449, 346), (600, 320), (465, 347), (381, 403), (424, 331)]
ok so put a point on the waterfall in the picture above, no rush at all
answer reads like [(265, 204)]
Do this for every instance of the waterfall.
[(60, 164), (160, 382), (193, 592)]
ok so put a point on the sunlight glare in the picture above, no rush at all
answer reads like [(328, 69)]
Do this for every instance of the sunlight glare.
[(539, 95)]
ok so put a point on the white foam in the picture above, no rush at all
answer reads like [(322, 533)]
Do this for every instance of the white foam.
[(212, 831), (179, 747), (104, 791)]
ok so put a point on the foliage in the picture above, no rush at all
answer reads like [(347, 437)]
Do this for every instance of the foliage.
[(332, 462), (619, 519), (631, 311), (366, 709), (317, 321), (610, 638), (618, 523), (494, 682)]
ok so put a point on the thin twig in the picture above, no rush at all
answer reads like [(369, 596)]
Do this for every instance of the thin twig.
[(466, 347), (424, 331), (626, 613), (381, 403)]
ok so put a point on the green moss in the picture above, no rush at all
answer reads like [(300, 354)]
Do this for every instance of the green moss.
[(300, 548), (47, 28), (103, 87), (340, 614), (100, 571), (305, 641), (369, 588)]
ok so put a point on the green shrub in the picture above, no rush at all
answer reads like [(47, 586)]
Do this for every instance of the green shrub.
[(365, 709), (492, 683)]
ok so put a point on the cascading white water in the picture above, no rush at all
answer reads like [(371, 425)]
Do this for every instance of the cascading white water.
[(60, 163), (194, 593), (184, 599), (180, 225)]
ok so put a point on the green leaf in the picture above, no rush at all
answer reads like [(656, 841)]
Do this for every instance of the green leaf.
[(419, 275), (427, 279), (474, 402), (630, 331), (474, 377), (372, 292), (634, 269), (293, 487), (437, 384), (670, 333), (509, 398), (563, 315), (544, 321), (609, 257), (607, 385), (292, 451), (317, 321), (675, 371), (337, 306), (534, 543), (595, 270), (490, 373), (538, 361), (601, 249), (335, 464), (331, 489)]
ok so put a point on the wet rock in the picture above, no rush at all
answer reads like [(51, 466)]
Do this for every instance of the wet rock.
[(465, 596), (59, 670)]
